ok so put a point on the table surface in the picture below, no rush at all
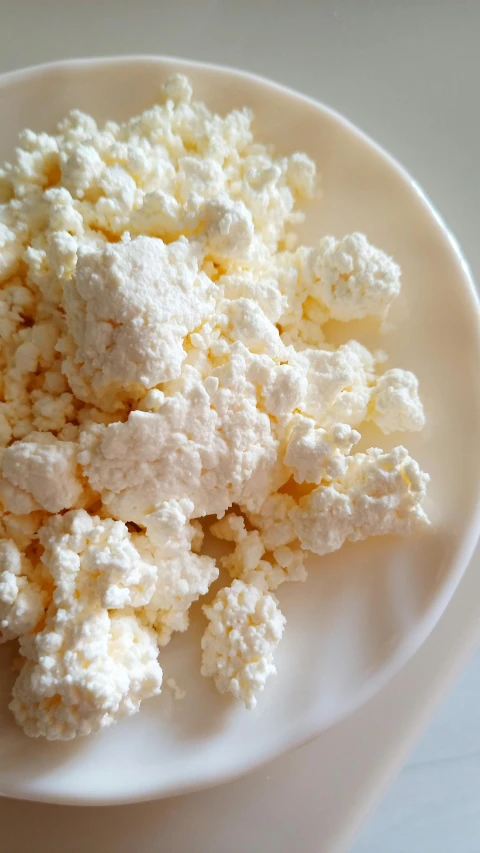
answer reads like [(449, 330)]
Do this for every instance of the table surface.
[(433, 806), (407, 73)]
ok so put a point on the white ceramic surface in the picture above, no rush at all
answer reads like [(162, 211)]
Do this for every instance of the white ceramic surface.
[(364, 610)]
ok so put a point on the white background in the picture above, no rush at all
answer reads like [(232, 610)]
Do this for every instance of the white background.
[(408, 73)]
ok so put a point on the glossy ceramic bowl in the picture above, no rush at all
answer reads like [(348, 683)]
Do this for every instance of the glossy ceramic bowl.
[(364, 610)]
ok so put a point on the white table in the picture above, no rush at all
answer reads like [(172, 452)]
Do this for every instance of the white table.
[(407, 73), (433, 806)]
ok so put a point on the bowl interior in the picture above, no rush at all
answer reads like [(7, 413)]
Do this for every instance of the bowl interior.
[(364, 610)]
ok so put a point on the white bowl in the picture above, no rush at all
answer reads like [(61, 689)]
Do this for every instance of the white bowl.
[(364, 610)]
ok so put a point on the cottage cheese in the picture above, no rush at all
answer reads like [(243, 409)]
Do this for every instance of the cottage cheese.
[(315, 454), (22, 600), (379, 493), (43, 470), (354, 279), (182, 576), (82, 674), (206, 440), (165, 357), (244, 628), (90, 664), (128, 309), (395, 402), (261, 557)]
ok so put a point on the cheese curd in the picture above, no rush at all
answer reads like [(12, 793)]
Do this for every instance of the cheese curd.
[(165, 358), (315, 454), (182, 576), (395, 402), (128, 309), (353, 278), (244, 628), (84, 673), (22, 600), (379, 493), (43, 471), (249, 560), (206, 440)]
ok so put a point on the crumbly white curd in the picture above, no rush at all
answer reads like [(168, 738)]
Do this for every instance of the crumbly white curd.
[(165, 357)]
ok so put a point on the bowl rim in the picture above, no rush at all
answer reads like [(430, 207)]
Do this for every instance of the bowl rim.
[(431, 615)]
